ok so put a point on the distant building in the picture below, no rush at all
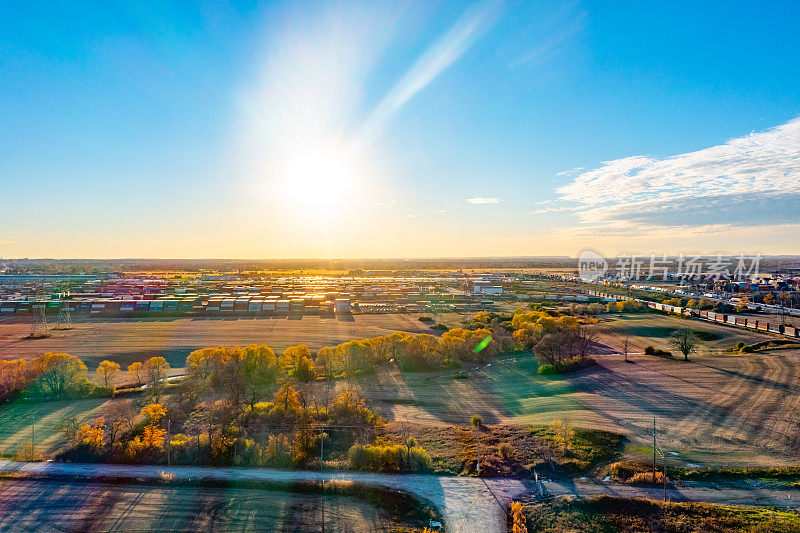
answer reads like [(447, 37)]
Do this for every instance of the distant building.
[(486, 287)]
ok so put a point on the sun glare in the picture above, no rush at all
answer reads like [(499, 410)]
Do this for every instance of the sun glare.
[(319, 177)]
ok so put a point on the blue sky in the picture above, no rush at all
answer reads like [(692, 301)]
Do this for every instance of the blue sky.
[(270, 129)]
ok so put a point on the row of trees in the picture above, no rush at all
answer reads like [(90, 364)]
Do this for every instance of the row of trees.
[(53, 375)]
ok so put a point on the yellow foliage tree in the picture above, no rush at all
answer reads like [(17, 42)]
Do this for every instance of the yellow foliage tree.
[(106, 372), (563, 434), (518, 519), (58, 372), (135, 371), (153, 412), (153, 437), (93, 434)]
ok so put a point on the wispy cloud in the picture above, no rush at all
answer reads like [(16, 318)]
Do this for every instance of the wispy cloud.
[(737, 182), (441, 55), (478, 200), (569, 172)]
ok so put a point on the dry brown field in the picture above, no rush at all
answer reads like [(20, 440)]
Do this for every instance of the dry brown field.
[(127, 340)]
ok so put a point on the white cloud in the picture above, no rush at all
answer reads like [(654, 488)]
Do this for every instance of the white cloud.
[(569, 172), (751, 172), (478, 200), (435, 60)]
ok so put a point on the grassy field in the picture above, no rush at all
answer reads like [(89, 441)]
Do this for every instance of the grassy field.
[(17, 421), (128, 340), (654, 329), (608, 514), (30, 505), (718, 409)]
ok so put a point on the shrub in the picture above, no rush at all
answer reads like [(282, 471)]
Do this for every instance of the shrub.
[(546, 370), (564, 366), (505, 451), (652, 350), (441, 327), (425, 319), (625, 470), (646, 478), (388, 458)]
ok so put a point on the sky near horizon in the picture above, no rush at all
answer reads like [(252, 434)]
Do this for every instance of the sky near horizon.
[(398, 129)]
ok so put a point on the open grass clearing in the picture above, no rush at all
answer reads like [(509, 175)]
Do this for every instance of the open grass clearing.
[(18, 418)]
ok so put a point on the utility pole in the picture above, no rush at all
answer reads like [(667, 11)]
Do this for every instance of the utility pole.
[(654, 450), (322, 496), (169, 442), (478, 465)]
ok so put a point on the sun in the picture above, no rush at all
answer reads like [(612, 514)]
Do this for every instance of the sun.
[(319, 176)]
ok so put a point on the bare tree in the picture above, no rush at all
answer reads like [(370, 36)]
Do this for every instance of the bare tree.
[(584, 338), (626, 347), (685, 342)]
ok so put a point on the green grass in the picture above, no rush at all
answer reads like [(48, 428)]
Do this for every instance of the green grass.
[(527, 396), (610, 514), (17, 419)]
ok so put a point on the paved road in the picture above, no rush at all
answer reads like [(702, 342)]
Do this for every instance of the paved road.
[(467, 504)]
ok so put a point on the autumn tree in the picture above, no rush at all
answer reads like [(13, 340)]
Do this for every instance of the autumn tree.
[(155, 374), (769, 299), (152, 435), (297, 363), (13, 377), (518, 522), (742, 306), (705, 303), (92, 434), (260, 373), (58, 373), (135, 372), (106, 372), (563, 434)]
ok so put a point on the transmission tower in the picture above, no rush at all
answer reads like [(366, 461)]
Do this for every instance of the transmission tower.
[(38, 311), (64, 316)]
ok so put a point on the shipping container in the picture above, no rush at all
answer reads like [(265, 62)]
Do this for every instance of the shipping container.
[(342, 305)]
